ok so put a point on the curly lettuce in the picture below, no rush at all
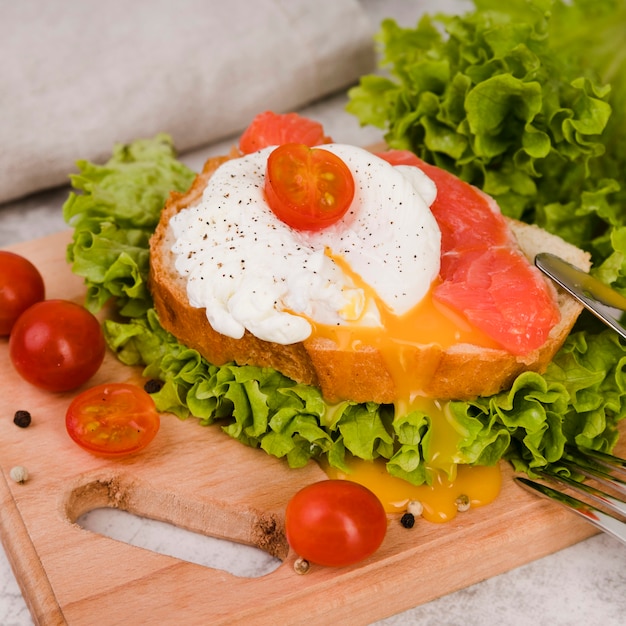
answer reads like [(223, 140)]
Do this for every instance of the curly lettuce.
[(115, 214), (579, 400), (525, 99)]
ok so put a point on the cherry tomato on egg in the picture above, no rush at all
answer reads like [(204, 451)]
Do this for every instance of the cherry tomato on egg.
[(274, 129), (57, 345), (113, 419), (21, 286), (335, 523), (307, 188)]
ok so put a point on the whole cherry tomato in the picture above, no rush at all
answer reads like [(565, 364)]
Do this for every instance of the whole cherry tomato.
[(57, 345), (113, 419), (335, 522), (308, 188), (21, 285), (274, 129)]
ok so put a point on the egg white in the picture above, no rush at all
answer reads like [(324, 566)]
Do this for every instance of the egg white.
[(253, 272)]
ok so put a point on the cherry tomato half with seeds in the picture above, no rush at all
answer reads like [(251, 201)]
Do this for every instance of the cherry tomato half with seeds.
[(113, 419), (21, 286), (57, 345), (335, 523), (307, 188)]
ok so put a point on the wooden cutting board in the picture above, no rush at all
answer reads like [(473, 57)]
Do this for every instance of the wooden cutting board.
[(197, 478)]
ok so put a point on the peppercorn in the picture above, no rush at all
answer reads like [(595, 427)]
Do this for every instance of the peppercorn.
[(22, 418), (153, 385), (301, 566), (408, 520)]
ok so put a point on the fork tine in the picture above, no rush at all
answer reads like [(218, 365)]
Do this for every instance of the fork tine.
[(606, 479), (602, 498), (607, 470), (595, 516), (608, 461)]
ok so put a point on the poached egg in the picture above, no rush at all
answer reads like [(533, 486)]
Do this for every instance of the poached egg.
[(253, 272)]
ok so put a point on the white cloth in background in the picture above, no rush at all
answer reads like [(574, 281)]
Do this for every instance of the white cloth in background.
[(78, 76)]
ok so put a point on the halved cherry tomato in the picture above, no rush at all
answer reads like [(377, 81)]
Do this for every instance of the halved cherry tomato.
[(335, 523), (113, 419), (307, 188), (21, 285), (57, 345), (275, 129)]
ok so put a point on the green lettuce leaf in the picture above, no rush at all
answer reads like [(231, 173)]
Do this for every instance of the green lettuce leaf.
[(525, 99), (114, 217), (579, 400)]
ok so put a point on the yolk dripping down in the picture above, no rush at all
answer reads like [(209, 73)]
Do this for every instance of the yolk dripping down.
[(481, 484), (429, 322)]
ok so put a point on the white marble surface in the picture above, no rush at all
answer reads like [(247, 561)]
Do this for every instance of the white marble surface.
[(584, 584)]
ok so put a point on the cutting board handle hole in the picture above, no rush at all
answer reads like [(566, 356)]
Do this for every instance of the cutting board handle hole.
[(170, 540)]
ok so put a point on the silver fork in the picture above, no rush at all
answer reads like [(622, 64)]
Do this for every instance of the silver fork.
[(608, 511), (605, 469)]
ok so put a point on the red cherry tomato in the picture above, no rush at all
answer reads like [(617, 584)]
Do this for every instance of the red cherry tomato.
[(335, 523), (57, 345), (274, 129), (21, 285), (113, 419), (308, 188)]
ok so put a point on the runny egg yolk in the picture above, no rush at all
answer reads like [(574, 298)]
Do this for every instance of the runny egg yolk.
[(429, 322), (480, 485)]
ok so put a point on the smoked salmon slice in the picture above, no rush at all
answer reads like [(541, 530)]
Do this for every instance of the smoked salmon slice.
[(274, 129), (485, 276)]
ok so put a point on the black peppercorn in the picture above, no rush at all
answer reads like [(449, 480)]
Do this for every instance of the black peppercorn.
[(153, 385), (22, 419), (408, 520)]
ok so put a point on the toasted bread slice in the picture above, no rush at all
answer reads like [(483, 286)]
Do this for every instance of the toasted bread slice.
[(460, 372)]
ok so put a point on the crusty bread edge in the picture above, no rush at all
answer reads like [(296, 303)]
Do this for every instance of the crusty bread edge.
[(460, 372)]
